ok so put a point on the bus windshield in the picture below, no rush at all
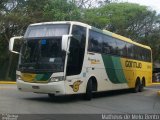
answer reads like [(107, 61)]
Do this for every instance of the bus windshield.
[(42, 55), (48, 30), (41, 49)]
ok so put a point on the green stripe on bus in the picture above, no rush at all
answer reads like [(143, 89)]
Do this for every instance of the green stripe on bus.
[(43, 77), (114, 69)]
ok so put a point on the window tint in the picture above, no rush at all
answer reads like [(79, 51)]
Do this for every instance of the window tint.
[(101, 43), (77, 49), (142, 54), (137, 53), (130, 52), (109, 45), (121, 48), (95, 41), (148, 55)]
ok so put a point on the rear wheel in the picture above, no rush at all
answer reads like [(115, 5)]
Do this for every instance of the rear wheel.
[(88, 95), (137, 87), (141, 87)]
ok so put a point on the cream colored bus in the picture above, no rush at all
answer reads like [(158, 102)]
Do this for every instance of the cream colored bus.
[(67, 57)]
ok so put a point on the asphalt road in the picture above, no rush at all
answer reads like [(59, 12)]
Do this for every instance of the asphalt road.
[(16, 102)]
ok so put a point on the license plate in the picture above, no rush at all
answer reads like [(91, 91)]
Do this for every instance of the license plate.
[(35, 87)]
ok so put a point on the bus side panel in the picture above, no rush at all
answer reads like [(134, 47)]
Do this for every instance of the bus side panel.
[(75, 84), (111, 73), (95, 68), (134, 69), (114, 71)]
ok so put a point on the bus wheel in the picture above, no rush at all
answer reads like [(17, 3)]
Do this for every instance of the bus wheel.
[(88, 95), (137, 87), (141, 87), (52, 96)]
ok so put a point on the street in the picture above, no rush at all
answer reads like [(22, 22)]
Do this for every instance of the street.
[(14, 101)]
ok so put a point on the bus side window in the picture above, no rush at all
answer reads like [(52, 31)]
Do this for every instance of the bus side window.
[(143, 54), (106, 49), (95, 41), (109, 45), (130, 52), (136, 56), (121, 48), (148, 55)]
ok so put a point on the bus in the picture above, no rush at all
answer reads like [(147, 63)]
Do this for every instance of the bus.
[(69, 57)]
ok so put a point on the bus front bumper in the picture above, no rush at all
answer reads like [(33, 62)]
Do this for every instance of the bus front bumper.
[(56, 88)]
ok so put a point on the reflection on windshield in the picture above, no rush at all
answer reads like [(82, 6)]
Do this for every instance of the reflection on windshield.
[(42, 55), (47, 30)]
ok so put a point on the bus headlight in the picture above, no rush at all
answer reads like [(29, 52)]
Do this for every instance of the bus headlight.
[(56, 79), (18, 77)]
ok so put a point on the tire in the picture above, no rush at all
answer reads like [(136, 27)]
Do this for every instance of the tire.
[(141, 87), (51, 96), (88, 95), (137, 87)]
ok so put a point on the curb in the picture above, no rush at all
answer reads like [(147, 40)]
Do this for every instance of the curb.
[(7, 82), (155, 83)]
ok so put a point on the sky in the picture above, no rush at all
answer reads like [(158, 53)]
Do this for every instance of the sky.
[(153, 4)]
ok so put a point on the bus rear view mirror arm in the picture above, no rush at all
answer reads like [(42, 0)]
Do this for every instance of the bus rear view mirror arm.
[(11, 44)]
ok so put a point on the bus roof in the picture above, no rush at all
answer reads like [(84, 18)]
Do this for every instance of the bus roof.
[(61, 22), (96, 29)]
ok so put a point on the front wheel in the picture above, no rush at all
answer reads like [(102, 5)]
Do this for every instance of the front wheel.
[(88, 94), (51, 96)]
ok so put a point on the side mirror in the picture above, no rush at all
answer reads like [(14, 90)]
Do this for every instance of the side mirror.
[(65, 42), (11, 44)]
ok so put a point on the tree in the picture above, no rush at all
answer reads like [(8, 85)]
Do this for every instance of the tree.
[(61, 10), (15, 15)]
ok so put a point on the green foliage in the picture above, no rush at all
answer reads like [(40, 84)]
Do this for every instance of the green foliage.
[(15, 16), (130, 20), (95, 18), (61, 10)]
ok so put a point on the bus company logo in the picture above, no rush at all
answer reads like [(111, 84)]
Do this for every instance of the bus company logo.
[(94, 61), (133, 64), (28, 77), (76, 85)]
